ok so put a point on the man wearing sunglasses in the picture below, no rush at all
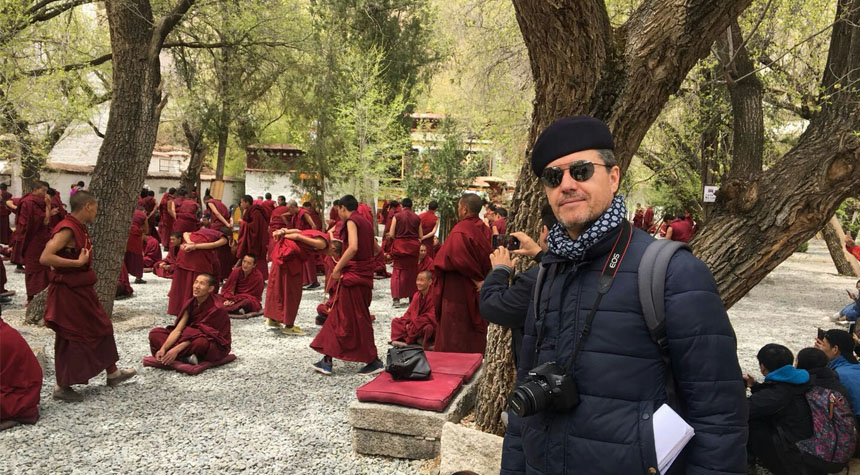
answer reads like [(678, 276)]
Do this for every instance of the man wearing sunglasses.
[(619, 374)]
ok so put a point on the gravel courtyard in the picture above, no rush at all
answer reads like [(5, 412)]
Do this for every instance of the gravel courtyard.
[(268, 412)]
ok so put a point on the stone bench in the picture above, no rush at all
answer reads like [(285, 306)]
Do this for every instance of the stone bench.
[(403, 432)]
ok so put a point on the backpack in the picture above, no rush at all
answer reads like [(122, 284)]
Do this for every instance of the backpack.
[(834, 433)]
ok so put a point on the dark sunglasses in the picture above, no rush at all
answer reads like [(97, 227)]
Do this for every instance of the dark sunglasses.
[(580, 171)]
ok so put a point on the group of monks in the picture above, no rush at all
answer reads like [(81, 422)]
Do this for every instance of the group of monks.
[(280, 247)]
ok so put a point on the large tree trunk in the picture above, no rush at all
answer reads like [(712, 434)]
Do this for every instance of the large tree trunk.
[(136, 41), (845, 263), (759, 224), (190, 177), (625, 76)]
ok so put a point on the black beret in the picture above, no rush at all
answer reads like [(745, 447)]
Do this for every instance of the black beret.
[(570, 135)]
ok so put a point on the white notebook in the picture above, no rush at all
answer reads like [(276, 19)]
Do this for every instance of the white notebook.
[(671, 434)]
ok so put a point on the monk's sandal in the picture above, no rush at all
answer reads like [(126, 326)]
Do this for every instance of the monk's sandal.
[(124, 375)]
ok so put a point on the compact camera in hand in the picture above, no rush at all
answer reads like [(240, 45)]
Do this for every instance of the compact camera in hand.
[(546, 387)]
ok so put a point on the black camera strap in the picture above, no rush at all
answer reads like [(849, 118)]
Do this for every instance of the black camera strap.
[(604, 283)]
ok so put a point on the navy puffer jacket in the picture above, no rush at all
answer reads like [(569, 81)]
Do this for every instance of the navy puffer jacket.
[(621, 377)]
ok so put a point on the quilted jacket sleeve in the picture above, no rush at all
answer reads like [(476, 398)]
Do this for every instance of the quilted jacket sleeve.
[(703, 350)]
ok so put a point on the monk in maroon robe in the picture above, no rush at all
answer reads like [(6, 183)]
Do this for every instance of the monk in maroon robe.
[(151, 252), (348, 331), (58, 209), (303, 221), (393, 209), (680, 230), (219, 215), (281, 218), (196, 256), (186, 213), (201, 332), (167, 214), (84, 345), (124, 289), (147, 203), (253, 233), (418, 324), (20, 379), (284, 292), (34, 217), (333, 216), (425, 262), (648, 219), (5, 212), (461, 265), (405, 236), (333, 254), (243, 291), (165, 267), (500, 225), (134, 245), (429, 226)]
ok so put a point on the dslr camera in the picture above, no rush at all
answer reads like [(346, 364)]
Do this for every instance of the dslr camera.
[(546, 387)]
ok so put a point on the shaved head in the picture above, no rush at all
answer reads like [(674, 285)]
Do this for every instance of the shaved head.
[(80, 199), (472, 203)]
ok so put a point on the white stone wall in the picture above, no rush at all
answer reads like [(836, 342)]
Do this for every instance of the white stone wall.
[(258, 183)]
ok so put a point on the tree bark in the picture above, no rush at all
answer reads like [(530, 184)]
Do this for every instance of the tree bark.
[(756, 227), (190, 177), (136, 41), (845, 263), (581, 66)]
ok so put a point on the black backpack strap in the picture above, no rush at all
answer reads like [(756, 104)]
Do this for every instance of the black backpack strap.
[(652, 287), (539, 287)]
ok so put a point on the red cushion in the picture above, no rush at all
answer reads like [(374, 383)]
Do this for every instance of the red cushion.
[(463, 365), (432, 394), (192, 369)]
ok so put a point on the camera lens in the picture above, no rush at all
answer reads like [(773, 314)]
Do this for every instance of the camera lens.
[(529, 398)]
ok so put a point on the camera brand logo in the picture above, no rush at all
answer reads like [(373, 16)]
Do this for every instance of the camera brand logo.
[(614, 262)]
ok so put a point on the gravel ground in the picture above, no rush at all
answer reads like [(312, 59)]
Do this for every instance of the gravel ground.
[(269, 412)]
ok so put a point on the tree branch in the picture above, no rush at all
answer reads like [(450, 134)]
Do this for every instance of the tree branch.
[(37, 16), (166, 25), (95, 129)]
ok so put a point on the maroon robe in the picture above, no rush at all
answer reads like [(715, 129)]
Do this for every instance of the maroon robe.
[(418, 324), (170, 260), (189, 265), (151, 252), (426, 264), (648, 219), (20, 378), (186, 215), (5, 229), (207, 331), (284, 291), (165, 224), (84, 344), (428, 222), (123, 285), (148, 205), (134, 245), (34, 235), (463, 259), (682, 230), (404, 254), (254, 237), (501, 225), (269, 206), (639, 219), (60, 208), (348, 331), (214, 222), (328, 266), (309, 265), (245, 291), (333, 218)]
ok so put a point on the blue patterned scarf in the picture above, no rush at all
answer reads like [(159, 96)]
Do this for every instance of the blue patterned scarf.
[(562, 245)]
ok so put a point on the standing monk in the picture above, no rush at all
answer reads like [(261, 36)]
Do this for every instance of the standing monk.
[(196, 256), (20, 379), (84, 344), (168, 215), (405, 235), (253, 233), (34, 215), (461, 265), (134, 245), (268, 204), (186, 213), (148, 204), (219, 217), (303, 221), (347, 333), (284, 293), (500, 225), (429, 225), (200, 333), (5, 230), (243, 291)]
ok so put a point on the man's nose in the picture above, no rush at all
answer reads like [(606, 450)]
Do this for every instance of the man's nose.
[(567, 182)]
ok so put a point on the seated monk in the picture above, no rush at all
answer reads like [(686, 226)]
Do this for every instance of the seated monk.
[(20, 379), (151, 252), (243, 291), (418, 324), (201, 331), (166, 267), (425, 262)]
